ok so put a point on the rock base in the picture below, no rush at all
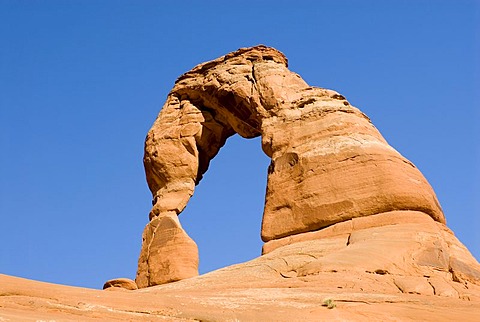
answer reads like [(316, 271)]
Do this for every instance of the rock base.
[(414, 270), (168, 254)]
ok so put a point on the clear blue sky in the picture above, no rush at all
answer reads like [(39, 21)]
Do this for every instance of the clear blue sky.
[(81, 82)]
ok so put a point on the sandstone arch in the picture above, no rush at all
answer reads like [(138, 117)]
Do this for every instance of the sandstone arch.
[(329, 163)]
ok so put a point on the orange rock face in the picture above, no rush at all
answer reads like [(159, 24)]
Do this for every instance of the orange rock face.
[(352, 230), (397, 266), (123, 283), (167, 254), (329, 163)]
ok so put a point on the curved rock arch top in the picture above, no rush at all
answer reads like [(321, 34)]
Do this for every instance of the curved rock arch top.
[(329, 164)]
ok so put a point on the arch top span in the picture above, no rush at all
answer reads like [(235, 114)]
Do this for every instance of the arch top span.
[(329, 163), (232, 87)]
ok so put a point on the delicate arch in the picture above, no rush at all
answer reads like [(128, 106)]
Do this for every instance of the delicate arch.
[(329, 163)]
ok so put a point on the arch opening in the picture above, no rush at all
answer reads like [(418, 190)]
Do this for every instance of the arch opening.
[(223, 217)]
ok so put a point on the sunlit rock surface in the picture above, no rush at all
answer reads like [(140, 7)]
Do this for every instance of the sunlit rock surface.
[(329, 163), (352, 230)]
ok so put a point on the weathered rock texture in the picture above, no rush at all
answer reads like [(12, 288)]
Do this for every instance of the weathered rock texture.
[(347, 219), (329, 163), (408, 268), (123, 283), (168, 254)]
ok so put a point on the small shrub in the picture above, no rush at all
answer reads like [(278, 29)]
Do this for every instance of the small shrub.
[(329, 303)]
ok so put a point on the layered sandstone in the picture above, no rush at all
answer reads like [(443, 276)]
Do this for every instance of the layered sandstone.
[(409, 268), (329, 163), (169, 254), (352, 230)]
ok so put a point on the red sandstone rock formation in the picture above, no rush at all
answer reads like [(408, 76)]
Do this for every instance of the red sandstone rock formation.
[(329, 163), (349, 223)]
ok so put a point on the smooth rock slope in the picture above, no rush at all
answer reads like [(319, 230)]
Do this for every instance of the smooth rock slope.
[(393, 272)]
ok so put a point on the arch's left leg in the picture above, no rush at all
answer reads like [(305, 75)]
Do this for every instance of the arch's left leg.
[(178, 149)]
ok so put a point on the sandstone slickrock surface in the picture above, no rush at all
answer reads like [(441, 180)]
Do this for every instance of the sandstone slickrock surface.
[(402, 270), (329, 163), (347, 219)]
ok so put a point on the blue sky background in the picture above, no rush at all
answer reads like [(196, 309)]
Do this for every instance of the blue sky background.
[(81, 82)]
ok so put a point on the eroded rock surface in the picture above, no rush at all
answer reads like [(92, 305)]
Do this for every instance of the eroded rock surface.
[(120, 283), (402, 271), (329, 163), (168, 253), (347, 219)]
